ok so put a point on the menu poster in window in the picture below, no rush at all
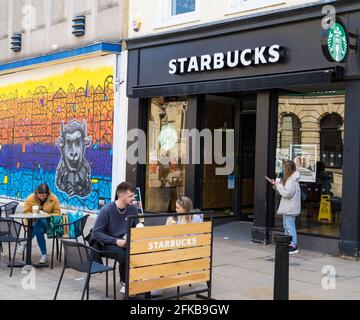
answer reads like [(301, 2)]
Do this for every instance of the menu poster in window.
[(304, 156), (281, 155)]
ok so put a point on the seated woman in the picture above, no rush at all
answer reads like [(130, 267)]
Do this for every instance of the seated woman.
[(185, 205), (41, 200)]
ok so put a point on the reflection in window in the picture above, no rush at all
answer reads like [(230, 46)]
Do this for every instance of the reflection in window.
[(165, 174), (331, 140), (290, 130), (315, 136), (182, 6)]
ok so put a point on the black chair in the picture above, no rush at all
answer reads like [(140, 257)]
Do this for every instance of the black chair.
[(8, 209), (10, 232), (78, 225), (5, 211), (81, 258), (107, 255)]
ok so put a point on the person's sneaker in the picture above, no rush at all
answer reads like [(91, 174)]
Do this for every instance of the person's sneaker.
[(43, 259), (20, 250), (293, 250), (123, 287)]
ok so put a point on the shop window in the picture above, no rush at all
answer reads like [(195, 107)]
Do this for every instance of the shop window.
[(318, 158), (331, 140), (290, 131), (175, 12), (165, 173), (182, 6)]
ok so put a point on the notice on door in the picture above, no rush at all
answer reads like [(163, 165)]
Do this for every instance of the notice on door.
[(304, 156), (231, 182)]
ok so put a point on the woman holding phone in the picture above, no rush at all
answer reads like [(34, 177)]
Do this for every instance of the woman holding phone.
[(290, 203)]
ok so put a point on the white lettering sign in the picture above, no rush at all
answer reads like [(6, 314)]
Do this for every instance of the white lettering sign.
[(232, 59), (172, 244)]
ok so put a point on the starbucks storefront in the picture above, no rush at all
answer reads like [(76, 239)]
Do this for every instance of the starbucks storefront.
[(267, 93)]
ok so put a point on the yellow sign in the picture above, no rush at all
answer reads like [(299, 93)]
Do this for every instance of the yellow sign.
[(325, 209)]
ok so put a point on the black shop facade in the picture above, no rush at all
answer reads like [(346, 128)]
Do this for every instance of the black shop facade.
[(223, 104)]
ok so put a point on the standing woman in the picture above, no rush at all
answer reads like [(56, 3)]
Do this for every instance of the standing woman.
[(290, 203)]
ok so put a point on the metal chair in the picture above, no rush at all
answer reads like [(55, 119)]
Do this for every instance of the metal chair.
[(81, 258), (5, 211), (8, 208), (107, 255), (10, 232), (78, 225)]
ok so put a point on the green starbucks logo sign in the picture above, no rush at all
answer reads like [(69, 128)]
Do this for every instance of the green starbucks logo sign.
[(168, 137), (336, 47)]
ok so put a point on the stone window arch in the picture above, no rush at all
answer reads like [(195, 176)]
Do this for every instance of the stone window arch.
[(331, 142), (290, 132)]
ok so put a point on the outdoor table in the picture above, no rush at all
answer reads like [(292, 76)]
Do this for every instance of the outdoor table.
[(30, 217), (1, 204)]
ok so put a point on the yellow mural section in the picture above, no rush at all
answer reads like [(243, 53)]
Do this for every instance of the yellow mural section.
[(35, 106), (78, 77)]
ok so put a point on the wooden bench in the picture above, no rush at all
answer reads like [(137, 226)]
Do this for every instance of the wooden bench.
[(169, 256)]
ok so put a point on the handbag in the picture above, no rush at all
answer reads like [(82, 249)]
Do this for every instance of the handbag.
[(53, 227), (75, 228)]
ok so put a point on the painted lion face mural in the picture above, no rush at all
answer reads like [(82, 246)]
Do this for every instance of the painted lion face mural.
[(73, 174)]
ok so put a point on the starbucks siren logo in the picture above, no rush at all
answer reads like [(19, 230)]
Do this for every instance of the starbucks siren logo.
[(337, 43), (168, 137)]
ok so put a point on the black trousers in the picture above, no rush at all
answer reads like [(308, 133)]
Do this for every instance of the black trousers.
[(121, 259)]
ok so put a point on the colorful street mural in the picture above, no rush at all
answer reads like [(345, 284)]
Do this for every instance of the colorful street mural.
[(56, 126)]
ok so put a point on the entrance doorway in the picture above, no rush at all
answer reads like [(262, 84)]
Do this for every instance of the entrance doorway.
[(220, 196), (247, 166)]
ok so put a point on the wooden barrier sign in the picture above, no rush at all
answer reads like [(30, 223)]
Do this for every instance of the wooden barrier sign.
[(168, 256)]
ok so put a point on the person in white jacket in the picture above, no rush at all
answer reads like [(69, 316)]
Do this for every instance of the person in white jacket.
[(290, 203)]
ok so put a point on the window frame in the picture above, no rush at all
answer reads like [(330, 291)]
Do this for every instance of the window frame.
[(238, 6), (166, 19), (293, 117), (324, 130)]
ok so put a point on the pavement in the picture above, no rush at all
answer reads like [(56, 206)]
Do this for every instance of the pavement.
[(242, 270)]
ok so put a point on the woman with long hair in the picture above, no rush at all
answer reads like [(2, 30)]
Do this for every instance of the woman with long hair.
[(185, 205), (290, 203), (41, 200)]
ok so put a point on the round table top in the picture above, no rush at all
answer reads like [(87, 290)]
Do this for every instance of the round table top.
[(30, 215)]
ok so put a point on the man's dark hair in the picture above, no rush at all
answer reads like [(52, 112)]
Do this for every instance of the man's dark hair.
[(42, 188), (124, 187)]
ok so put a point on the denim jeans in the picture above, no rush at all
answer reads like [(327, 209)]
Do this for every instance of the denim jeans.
[(289, 224), (39, 230), (121, 258)]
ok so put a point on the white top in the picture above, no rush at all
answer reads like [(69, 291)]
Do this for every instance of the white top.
[(290, 203)]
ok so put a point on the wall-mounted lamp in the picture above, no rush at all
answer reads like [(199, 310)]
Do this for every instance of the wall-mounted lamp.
[(136, 25), (78, 26)]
